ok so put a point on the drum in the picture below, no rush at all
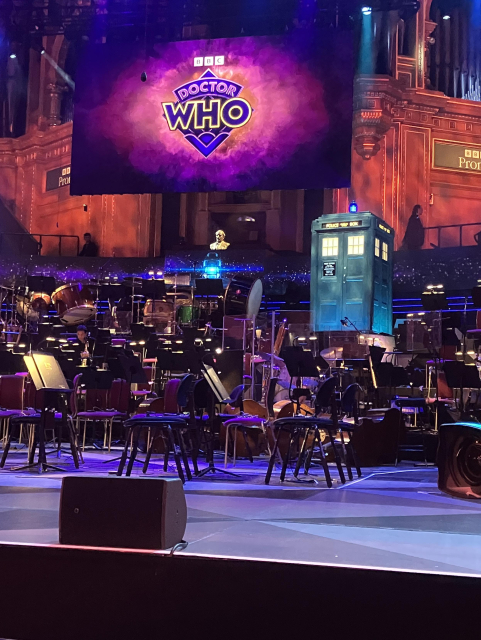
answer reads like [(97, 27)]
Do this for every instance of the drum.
[(24, 309), (243, 297), (159, 313), (187, 313), (39, 301), (75, 304)]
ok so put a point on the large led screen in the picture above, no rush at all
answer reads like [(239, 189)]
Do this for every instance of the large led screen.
[(215, 115)]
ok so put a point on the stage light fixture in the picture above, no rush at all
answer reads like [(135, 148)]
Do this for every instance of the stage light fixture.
[(143, 77), (12, 56), (446, 16), (353, 207), (366, 11)]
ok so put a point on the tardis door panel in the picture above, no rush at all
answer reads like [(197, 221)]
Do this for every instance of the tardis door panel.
[(382, 290), (355, 298), (329, 280)]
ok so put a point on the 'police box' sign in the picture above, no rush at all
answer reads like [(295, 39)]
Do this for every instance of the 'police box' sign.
[(58, 178)]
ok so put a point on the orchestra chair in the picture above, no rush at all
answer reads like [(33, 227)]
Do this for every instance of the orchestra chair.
[(305, 425), (96, 402), (171, 425), (32, 418), (11, 401), (243, 423)]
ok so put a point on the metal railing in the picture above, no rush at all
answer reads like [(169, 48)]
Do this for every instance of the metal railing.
[(458, 234), (32, 237)]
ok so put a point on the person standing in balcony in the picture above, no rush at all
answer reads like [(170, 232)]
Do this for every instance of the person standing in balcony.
[(414, 236), (90, 249)]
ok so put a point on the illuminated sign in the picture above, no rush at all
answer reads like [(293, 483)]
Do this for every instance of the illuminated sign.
[(207, 111), (383, 228), (341, 225), (456, 156), (57, 178)]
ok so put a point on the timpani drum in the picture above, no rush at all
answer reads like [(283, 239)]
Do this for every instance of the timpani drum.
[(40, 301), (75, 303), (243, 297)]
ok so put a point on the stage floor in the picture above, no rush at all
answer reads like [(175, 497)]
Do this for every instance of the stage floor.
[(392, 518)]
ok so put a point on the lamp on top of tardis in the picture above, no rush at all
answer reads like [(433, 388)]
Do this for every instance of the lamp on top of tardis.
[(353, 207)]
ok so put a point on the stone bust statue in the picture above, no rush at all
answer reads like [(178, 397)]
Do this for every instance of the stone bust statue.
[(219, 244)]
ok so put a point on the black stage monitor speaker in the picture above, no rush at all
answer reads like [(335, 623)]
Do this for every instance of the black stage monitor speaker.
[(459, 460), (130, 513)]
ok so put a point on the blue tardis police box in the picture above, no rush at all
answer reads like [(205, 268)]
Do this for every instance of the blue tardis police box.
[(351, 272)]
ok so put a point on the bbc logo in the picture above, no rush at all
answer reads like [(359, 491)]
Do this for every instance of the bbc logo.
[(474, 153), (208, 61)]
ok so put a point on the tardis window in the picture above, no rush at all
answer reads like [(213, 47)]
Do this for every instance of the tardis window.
[(330, 246), (384, 251), (355, 245), (377, 247)]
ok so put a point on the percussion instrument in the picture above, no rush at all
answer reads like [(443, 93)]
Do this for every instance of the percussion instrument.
[(243, 297), (39, 301), (74, 303), (159, 313), (187, 313), (31, 306)]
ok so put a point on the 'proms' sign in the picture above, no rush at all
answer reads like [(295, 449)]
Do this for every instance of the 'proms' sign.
[(456, 156), (57, 178)]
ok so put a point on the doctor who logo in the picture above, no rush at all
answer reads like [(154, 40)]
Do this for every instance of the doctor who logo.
[(207, 111)]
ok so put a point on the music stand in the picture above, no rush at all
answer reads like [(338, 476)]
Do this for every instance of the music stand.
[(209, 287), (47, 375), (299, 363), (154, 289), (112, 291), (218, 393), (43, 284)]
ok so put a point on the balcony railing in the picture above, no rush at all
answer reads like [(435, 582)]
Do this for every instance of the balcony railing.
[(24, 238), (452, 235)]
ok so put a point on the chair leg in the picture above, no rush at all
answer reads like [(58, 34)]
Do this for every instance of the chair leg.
[(166, 451), (149, 450), (272, 459), (133, 451), (176, 454), (354, 458), (336, 456), (85, 433), (325, 466), (31, 455), (195, 449), (248, 449), (288, 455), (235, 446), (183, 454), (6, 449), (123, 457), (346, 457), (301, 452), (226, 454), (73, 444)]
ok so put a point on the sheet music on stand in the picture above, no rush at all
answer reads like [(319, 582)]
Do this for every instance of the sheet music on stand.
[(47, 375), (45, 371)]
